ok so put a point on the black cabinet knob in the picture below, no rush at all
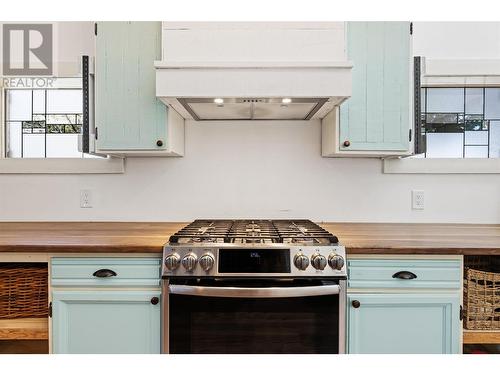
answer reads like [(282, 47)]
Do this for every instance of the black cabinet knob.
[(347, 143), (356, 303), (155, 300), (159, 143)]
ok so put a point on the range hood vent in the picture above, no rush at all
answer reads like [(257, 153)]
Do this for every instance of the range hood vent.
[(252, 108), (256, 91)]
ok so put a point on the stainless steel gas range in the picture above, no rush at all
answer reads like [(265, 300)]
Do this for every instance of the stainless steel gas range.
[(253, 286)]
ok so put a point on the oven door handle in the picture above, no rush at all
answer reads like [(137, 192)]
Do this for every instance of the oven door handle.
[(271, 292)]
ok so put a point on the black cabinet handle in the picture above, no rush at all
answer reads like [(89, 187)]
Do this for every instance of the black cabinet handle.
[(104, 273), (355, 303), (405, 275), (155, 300), (159, 143)]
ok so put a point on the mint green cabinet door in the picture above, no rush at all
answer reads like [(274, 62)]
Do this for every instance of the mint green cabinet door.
[(128, 114), (377, 116), (404, 323), (105, 322)]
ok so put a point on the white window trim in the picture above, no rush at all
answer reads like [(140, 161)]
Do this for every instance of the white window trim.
[(62, 166), (441, 166), (105, 165)]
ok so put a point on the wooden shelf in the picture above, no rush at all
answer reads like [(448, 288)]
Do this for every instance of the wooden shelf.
[(481, 337), (24, 329)]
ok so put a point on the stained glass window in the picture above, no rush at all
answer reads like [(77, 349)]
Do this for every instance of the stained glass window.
[(461, 122), (43, 123)]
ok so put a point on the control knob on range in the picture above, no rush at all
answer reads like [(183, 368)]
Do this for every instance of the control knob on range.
[(318, 261), (336, 261), (172, 261), (189, 261), (301, 261), (207, 261)]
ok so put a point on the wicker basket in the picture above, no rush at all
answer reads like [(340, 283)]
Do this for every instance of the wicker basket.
[(23, 290), (481, 299)]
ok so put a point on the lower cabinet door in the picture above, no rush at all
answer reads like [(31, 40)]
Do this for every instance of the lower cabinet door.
[(98, 322), (403, 323)]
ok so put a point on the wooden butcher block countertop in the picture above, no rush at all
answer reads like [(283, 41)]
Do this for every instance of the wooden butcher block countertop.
[(359, 238)]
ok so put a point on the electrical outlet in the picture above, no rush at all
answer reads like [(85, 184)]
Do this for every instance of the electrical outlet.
[(85, 198), (417, 199)]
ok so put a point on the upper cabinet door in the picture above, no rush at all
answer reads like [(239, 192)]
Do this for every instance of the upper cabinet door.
[(128, 114), (377, 117)]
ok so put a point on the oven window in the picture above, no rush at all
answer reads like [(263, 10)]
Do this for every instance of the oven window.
[(250, 326)]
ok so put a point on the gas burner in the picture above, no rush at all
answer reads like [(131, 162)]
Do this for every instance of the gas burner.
[(203, 231), (303, 232), (253, 232), (298, 232)]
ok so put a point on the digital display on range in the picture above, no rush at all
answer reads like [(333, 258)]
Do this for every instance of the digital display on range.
[(254, 261)]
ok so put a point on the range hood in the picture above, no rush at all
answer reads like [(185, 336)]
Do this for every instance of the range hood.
[(253, 91)]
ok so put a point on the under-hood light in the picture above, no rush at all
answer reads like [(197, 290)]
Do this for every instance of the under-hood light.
[(219, 102), (286, 100)]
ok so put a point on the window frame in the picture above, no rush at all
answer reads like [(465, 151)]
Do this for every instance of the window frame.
[(447, 74), (105, 165), (464, 113)]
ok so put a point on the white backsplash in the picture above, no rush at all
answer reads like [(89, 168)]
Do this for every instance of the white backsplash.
[(252, 169)]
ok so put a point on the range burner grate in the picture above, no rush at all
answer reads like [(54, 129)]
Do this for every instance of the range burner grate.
[(203, 231), (254, 232), (303, 232)]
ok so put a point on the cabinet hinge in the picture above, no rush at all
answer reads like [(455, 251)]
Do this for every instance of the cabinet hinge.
[(95, 28), (411, 28), (461, 313), (409, 135), (50, 310)]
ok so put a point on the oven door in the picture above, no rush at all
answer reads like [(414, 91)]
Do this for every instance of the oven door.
[(250, 316)]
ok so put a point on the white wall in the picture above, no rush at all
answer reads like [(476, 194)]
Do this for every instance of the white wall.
[(250, 169), (74, 40), (457, 40)]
